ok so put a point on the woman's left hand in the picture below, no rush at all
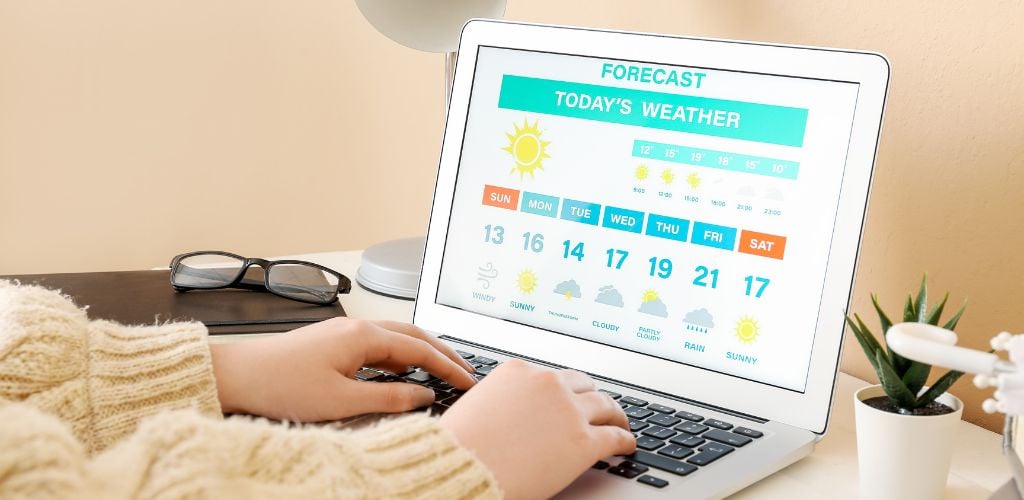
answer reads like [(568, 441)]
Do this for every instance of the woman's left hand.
[(307, 374)]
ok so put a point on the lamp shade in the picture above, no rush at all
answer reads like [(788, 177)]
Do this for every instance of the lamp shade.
[(427, 25)]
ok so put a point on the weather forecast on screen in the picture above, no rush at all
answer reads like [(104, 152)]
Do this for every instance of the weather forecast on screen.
[(684, 213)]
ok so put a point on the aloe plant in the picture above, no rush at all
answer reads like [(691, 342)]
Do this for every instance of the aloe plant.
[(901, 378)]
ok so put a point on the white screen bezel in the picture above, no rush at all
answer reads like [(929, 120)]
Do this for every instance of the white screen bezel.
[(808, 410)]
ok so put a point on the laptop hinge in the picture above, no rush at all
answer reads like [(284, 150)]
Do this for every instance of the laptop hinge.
[(613, 381)]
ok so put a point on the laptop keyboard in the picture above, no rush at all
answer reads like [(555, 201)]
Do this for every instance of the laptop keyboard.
[(677, 442)]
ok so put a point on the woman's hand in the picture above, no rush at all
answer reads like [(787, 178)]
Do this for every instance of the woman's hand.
[(538, 429), (307, 374)]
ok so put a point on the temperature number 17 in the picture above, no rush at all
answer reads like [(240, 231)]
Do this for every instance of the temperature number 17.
[(763, 283)]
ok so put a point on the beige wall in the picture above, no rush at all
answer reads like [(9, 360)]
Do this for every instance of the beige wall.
[(132, 130)]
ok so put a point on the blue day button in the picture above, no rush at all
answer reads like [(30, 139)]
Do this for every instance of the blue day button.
[(666, 227), (711, 235), (623, 219), (581, 211), (540, 204)]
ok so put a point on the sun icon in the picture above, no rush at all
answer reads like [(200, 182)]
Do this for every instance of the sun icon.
[(747, 330), (693, 180), (667, 176), (649, 296), (526, 146), (642, 172), (527, 281)]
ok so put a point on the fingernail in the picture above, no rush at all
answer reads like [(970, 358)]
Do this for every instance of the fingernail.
[(424, 397)]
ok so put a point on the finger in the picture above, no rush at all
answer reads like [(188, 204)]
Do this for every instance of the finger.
[(417, 332), (600, 409), (388, 397), (610, 440), (386, 347), (578, 381)]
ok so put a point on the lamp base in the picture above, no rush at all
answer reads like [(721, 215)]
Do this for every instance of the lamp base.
[(392, 268)]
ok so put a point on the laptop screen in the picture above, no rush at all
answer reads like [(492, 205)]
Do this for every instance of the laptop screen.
[(684, 213)]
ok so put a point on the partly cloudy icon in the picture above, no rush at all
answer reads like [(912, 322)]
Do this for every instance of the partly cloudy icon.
[(652, 304), (570, 289), (699, 320), (609, 296)]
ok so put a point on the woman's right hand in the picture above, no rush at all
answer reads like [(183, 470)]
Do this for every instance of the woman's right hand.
[(538, 429)]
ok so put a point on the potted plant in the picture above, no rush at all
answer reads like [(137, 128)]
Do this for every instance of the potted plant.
[(905, 429)]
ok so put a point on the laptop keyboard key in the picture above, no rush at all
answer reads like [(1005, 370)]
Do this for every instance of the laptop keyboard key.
[(687, 440), (635, 467), (440, 384), (691, 428), (709, 453), (465, 355), (368, 374), (750, 433), (600, 465), (420, 377), (637, 425), (692, 417), (623, 405), (676, 452), (663, 463), (649, 443), (637, 412), (634, 401), (664, 420), (657, 482), (661, 408), (614, 395), (660, 432), (730, 438), (718, 424), (485, 369), (626, 473), (484, 361)]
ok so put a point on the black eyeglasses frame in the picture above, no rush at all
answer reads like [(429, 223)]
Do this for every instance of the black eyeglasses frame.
[(344, 283)]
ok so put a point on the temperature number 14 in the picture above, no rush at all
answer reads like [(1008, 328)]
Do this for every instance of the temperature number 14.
[(570, 250)]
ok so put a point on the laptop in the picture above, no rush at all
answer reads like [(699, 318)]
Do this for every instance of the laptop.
[(677, 217)]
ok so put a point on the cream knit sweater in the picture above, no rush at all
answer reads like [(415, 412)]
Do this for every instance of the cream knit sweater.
[(94, 409)]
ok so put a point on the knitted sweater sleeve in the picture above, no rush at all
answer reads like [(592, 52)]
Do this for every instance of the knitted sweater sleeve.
[(100, 377), (97, 409), (183, 454)]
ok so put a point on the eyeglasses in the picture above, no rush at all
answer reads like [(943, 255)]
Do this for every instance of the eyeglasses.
[(292, 279)]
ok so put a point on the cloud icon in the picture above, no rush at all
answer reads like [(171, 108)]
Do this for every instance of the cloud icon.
[(699, 320), (775, 194), (654, 307), (608, 295), (570, 289)]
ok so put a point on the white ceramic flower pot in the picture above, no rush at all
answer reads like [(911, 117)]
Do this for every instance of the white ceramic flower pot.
[(903, 456)]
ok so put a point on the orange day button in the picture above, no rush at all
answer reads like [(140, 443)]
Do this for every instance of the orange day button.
[(501, 197), (763, 244)]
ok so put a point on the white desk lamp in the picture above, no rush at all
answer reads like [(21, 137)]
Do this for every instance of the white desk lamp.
[(937, 346), (392, 268)]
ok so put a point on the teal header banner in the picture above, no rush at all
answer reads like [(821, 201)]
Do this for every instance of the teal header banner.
[(681, 113)]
